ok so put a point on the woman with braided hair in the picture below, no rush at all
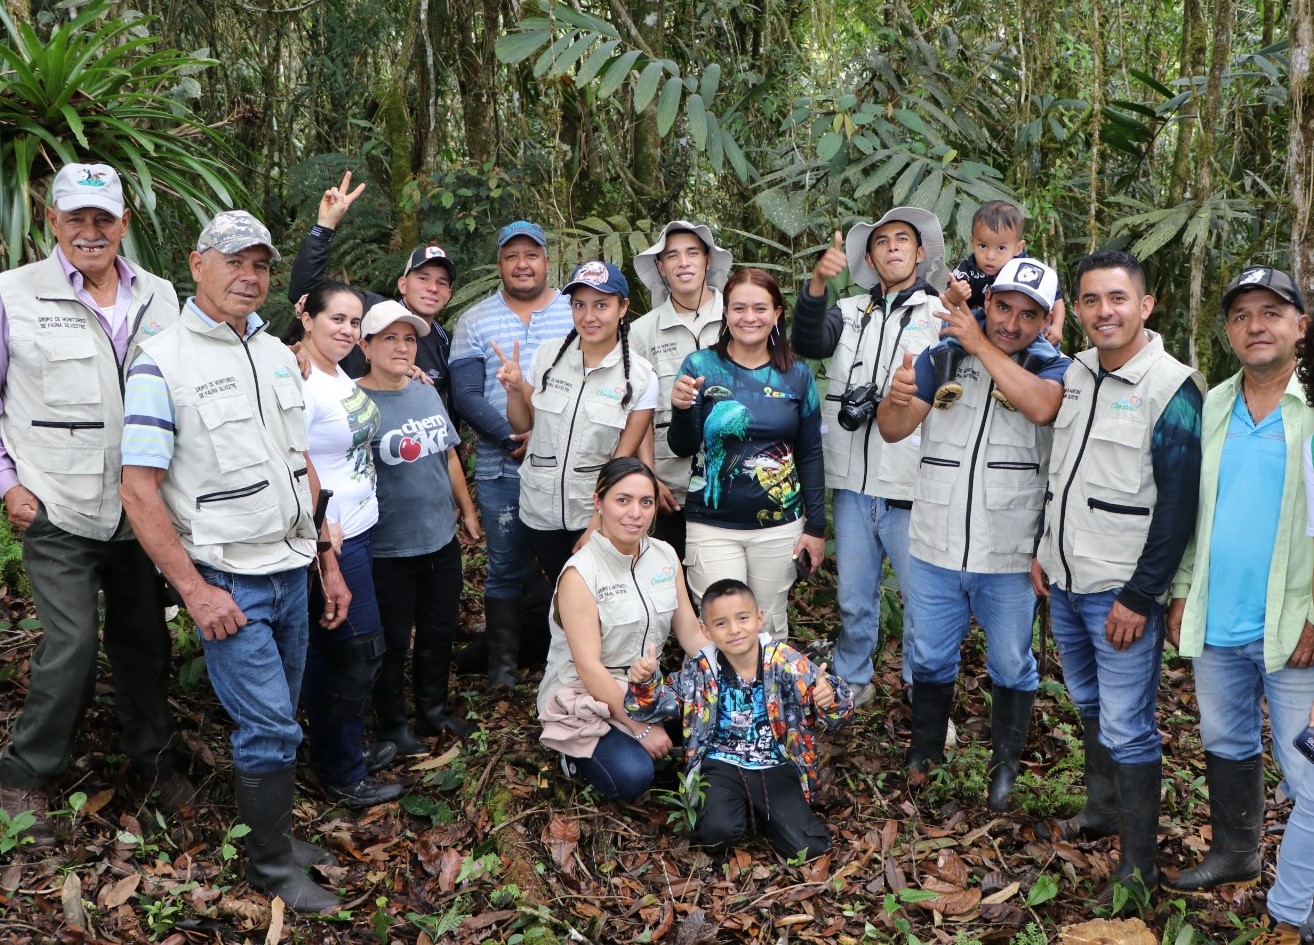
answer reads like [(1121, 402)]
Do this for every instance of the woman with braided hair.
[(587, 400)]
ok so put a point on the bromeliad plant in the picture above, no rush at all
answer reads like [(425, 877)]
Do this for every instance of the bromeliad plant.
[(98, 90)]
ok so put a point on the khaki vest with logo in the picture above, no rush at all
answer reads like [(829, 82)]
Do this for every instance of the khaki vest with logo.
[(665, 339), (63, 396), (237, 488), (861, 461), (636, 599), (578, 420), (1102, 490), (980, 488)]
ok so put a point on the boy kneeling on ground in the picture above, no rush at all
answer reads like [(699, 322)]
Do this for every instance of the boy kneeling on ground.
[(749, 705)]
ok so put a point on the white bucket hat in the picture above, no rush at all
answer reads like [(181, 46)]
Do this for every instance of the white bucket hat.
[(932, 268), (645, 264)]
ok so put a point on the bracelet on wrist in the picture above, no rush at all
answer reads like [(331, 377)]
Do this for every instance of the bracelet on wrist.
[(644, 734)]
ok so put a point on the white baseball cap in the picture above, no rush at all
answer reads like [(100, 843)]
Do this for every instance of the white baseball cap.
[(1029, 276), (78, 186)]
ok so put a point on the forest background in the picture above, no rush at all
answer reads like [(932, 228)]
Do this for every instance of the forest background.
[(1182, 130)]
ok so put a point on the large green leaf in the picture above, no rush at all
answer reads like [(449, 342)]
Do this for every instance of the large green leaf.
[(645, 87), (668, 106)]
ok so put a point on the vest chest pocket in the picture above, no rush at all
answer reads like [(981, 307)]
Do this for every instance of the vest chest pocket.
[(1012, 429), (1114, 455), (235, 433), (930, 515), (552, 400), (244, 513), (291, 406), (68, 374), (1015, 507)]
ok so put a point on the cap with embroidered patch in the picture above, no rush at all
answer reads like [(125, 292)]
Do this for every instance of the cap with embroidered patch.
[(79, 186), (233, 231), (1029, 276), (522, 228), (599, 275), (423, 255), (1264, 277)]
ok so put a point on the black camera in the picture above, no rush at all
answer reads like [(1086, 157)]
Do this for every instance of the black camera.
[(857, 406)]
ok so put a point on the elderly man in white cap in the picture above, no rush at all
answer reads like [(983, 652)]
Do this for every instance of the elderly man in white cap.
[(685, 272), (69, 325), (218, 486), (866, 337)]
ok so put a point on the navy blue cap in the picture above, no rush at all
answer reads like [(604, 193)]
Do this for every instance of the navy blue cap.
[(603, 276), (1265, 277), (522, 228)]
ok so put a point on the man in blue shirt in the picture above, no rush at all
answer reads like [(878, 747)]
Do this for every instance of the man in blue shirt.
[(1241, 600), (523, 314)]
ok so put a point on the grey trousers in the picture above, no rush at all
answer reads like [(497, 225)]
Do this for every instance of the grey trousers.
[(66, 571)]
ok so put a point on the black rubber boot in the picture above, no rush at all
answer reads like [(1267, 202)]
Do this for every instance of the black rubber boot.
[(390, 724), (264, 803), (1010, 719), (431, 672), (1099, 817), (1139, 787), (306, 855), (930, 724), (472, 658), (1236, 811), (502, 617), (944, 362)]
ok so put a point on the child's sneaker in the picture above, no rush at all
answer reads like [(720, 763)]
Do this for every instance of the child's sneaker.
[(567, 768), (944, 362), (862, 695)]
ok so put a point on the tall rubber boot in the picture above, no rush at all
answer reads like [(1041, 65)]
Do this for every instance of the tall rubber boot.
[(431, 673), (1099, 817), (1010, 719), (1236, 811), (473, 657), (264, 803), (1138, 831), (930, 723), (502, 617), (944, 362), (390, 722)]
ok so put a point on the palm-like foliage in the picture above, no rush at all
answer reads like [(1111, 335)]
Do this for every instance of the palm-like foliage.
[(98, 90)]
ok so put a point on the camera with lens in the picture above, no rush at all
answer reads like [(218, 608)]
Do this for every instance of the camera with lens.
[(858, 405)]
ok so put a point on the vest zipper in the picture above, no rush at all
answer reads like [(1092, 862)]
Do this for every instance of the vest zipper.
[(1067, 487), (570, 436), (240, 493), (71, 425), (971, 472), (647, 615)]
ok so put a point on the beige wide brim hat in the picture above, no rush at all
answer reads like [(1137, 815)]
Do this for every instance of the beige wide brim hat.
[(645, 264), (932, 268)]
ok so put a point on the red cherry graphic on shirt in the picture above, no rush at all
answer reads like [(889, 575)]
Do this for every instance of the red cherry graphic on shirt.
[(409, 449)]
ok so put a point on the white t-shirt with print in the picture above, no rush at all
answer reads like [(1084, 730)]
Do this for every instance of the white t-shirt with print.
[(340, 422)]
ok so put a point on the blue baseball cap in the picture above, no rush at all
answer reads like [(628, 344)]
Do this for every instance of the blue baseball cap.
[(603, 276), (522, 228)]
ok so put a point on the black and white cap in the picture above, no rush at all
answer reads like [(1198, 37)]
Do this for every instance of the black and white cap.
[(1029, 276)]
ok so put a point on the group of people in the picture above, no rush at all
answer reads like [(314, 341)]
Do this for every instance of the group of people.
[(667, 474)]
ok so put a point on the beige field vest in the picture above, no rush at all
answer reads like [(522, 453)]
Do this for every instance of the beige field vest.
[(63, 396), (636, 599), (578, 421), (237, 489), (872, 345), (665, 339), (1102, 490), (980, 487)]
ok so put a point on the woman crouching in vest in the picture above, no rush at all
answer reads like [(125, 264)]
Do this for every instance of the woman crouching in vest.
[(587, 400), (618, 599), (417, 556), (748, 412), (341, 664)]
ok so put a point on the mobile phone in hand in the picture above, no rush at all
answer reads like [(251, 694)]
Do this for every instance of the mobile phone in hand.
[(803, 565), (1305, 743)]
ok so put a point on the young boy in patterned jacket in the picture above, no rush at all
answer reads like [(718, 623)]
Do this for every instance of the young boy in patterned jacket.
[(749, 705)]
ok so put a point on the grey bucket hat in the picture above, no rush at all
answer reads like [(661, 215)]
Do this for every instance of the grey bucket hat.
[(645, 264), (932, 268)]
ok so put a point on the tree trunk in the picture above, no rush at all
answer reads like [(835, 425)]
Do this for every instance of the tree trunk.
[(1302, 142), (20, 11), (1193, 64), (649, 16), (473, 27)]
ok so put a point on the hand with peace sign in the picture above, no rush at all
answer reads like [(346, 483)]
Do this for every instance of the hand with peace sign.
[(336, 201), (519, 411), (823, 693), (832, 262), (509, 374), (645, 667)]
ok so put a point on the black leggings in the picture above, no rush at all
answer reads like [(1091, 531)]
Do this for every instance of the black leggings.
[(552, 549), (736, 797)]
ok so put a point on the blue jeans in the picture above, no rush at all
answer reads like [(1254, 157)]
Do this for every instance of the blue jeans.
[(340, 676), (1118, 687), (867, 531), (1229, 682), (507, 536), (943, 601), (619, 768), (256, 672)]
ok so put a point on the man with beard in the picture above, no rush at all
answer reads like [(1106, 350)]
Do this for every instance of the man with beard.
[(69, 326), (518, 318), (424, 287)]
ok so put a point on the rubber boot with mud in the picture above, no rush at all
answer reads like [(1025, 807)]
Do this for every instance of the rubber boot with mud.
[(431, 674), (944, 363), (930, 723), (1099, 817), (1010, 719), (1139, 787), (264, 803), (502, 617), (1236, 813)]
